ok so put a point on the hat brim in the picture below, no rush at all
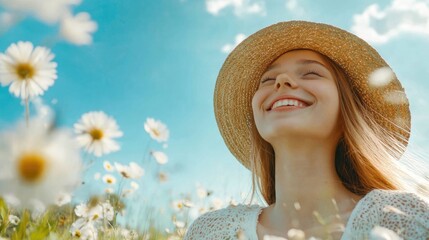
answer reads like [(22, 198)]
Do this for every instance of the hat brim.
[(239, 78)]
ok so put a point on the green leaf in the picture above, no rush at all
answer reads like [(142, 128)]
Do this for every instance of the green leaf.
[(4, 210), (42, 228), (4, 217), (22, 226)]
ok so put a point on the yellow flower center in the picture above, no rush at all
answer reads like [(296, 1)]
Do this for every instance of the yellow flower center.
[(125, 174), (162, 177), (77, 234), (156, 132), (109, 181), (25, 71), (31, 167), (96, 134)]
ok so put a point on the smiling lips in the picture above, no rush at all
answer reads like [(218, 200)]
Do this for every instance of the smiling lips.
[(288, 103)]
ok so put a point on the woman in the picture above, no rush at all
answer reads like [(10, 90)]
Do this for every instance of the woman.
[(321, 121)]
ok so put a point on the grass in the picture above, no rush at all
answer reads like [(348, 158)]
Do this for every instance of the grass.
[(56, 223)]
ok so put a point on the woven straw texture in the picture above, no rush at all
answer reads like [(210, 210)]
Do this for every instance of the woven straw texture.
[(239, 78)]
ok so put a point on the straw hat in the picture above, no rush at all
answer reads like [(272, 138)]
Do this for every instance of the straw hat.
[(240, 74)]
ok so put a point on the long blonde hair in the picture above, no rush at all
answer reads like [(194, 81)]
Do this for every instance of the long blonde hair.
[(366, 156)]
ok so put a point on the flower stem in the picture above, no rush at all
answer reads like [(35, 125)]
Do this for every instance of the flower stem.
[(27, 111), (146, 152)]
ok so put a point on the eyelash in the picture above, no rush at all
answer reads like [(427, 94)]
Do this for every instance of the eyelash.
[(312, 72), (305, 73), (266, 79)]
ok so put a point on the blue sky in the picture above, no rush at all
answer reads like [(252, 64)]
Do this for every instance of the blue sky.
[(160, 59)]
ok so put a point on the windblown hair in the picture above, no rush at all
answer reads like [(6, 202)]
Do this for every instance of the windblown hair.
[(367, 155)]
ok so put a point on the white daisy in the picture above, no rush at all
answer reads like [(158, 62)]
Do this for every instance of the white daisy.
[(132, 171), (38, 163), (90, 217), (29, 71), (109, 190), (108, 211), (217, 203), (134, 185), (91, 213), (108, 167), (109, 179), (179, 224), (233, 202), (201, 192), (77, 29), (156, 129), (160, 157), (124, 233), (63, 198), (177, 205), (187, 203), (81, 210), (83, 229), (96, 131), (13, 219)]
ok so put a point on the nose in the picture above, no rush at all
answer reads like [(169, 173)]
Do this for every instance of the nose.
[(283, 80)]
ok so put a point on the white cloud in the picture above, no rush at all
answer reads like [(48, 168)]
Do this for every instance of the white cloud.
[(241, 7), (8, 20), (227, 48), (401, 16), (292, 5), (78, 29), (48, 11)]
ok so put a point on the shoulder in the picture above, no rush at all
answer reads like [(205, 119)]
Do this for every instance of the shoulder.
[(223, 223), (401, 201), (405, 213)]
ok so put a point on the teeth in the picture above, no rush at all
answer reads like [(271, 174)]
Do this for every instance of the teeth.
[(288, 102)]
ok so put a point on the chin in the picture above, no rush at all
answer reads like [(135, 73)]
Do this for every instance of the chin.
[(289, 132)]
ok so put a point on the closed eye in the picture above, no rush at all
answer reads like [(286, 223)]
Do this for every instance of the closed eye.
[(312, 73), (264, 80)]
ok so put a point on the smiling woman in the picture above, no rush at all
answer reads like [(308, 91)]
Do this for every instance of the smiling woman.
[(322, 142), (300, 76)]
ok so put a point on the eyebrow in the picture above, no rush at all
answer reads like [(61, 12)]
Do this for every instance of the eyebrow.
[(302, 62)]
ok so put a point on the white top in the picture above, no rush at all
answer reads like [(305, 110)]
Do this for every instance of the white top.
[(398, 213)]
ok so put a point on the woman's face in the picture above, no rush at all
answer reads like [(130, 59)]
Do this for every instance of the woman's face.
[(297, 96)]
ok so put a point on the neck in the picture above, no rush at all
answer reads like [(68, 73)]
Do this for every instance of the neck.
[(306, 183)]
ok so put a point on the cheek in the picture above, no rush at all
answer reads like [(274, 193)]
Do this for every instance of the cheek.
[(254, 100), (332, 93), (257, 101), (329, 98), (326, 93)]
